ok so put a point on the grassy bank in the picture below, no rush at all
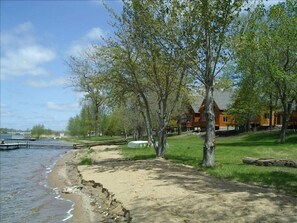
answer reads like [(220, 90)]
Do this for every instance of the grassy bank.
[(187, 149), (91, 139)]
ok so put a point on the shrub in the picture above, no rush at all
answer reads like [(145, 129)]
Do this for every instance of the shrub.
[(86, 161)]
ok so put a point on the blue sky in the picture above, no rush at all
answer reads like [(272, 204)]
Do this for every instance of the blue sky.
[(37, 37)]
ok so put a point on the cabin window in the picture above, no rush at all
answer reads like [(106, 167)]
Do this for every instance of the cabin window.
[(225, 119), (266, 116)]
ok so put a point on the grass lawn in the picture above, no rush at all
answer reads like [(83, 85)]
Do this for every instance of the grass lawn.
[(92, 139), (187, 149)]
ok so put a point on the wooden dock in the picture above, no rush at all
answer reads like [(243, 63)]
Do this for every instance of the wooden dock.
[(11, 146)]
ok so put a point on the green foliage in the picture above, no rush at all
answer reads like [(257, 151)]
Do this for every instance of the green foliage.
[(89, 70), (148, 63), (74, 126), (90, 150), (229, 154), (86, 161), (38, 130), (82, 124), (266, 54)]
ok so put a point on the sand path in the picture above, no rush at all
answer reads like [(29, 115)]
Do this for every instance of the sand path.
[(159, 191)]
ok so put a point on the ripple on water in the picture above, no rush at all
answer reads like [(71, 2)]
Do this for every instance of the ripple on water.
[(25, 196)]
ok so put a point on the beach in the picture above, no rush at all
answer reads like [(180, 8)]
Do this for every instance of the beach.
[(115, 189)]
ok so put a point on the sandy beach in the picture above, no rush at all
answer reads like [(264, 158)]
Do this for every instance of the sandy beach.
[(114, 189)]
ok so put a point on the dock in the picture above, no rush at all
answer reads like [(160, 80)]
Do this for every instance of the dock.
[(11, 146)]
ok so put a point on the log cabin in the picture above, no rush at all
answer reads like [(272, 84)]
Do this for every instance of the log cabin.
[(194, 119)]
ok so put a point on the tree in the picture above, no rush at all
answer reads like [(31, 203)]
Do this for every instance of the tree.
[(129, 119), (272, 36), (208, 26), (38, 130), (147, 63), (88, 76), (74, 126), (247, 104)]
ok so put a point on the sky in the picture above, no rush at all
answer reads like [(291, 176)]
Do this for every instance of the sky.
[(37, 38)]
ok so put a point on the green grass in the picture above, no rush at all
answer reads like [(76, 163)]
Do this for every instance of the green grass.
[(91, 139), (90, 150), (86, 161), (102, 138), (228, 155)]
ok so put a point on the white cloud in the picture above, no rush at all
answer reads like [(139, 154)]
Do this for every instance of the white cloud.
[(94, 35), (49, 83), (77, 49), (12, 37), (21, 54), (61, 106), (24, 27)]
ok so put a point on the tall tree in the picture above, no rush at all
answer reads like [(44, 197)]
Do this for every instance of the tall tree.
[(272, 35), (208, 26), (74, 127), (38, 130), (247, 105), (149, 65), (88, 76), (82, 124)]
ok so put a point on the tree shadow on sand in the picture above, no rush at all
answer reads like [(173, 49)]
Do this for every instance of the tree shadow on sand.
[(209, 195)]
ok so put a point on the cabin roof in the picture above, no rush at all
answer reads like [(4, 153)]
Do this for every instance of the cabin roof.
[(222, 99), (197, 103)]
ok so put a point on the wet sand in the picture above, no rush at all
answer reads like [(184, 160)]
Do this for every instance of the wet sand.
[(159, 191)]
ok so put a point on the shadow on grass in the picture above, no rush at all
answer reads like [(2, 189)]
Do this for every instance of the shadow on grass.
[(188, 160), (281, 180), (262, 136), (143, 157), (274, 136), (292, 138), (270, 139), (247, 144)]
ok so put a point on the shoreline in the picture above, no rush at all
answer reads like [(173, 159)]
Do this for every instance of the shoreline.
[(91, 202), (115, 189), (58, 179)]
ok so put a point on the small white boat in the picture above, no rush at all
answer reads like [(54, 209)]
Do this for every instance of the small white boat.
[(137, 144)]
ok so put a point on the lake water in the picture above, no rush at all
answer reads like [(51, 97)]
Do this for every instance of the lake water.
[(24, 192)]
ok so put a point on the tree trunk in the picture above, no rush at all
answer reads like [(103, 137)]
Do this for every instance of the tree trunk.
[(287, 107), (209, 143), (284, 127), (149, 123), (96, 116), (147, 119), (161, 143), (270, 112), (179, 130), (270, 117), (160, 150)]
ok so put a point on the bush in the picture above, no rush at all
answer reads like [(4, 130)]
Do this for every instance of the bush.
[(90, 150), (86, 161)]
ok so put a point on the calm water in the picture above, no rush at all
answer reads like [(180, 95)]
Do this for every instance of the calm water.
[(24, 193)]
